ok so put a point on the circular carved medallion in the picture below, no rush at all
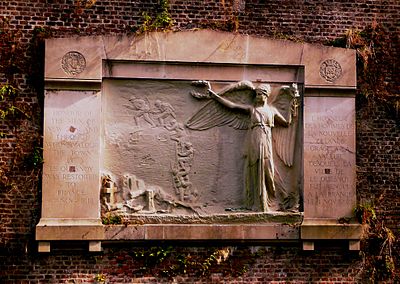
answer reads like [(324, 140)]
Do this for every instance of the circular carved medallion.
[(330, 70), (73, 63)]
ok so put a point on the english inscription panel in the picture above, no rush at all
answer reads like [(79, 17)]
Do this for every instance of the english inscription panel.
[(71, 154)]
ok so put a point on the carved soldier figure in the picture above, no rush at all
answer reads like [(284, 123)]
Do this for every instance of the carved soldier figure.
[(163, 111), (141, 108)]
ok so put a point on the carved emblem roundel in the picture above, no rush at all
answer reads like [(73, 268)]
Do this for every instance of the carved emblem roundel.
[(73, 63), (330, 70)]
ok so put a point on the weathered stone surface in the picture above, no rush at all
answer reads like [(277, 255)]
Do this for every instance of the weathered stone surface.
[(329, 167), (207, 71), (309, 22), (71, 174)]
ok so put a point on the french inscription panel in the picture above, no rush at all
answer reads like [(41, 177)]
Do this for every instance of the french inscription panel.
[(329, 157), (71, 154)]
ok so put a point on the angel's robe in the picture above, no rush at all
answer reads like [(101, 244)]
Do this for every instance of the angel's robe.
[(259, 164)]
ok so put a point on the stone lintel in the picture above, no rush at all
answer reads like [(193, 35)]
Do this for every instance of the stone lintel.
[(207, 71), (81, 57), (92, 232)]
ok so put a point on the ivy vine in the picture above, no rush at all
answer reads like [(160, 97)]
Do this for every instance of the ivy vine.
[(166, 261), (161, 21), (378, 246), (80, 5), (19, 117), (377, 83)]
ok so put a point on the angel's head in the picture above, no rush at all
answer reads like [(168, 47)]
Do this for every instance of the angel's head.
[(262, 93)]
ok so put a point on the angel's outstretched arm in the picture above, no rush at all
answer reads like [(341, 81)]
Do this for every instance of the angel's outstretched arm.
[(228, 103)]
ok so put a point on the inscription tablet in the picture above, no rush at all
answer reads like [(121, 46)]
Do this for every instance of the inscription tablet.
[(71, 154), (329, 160)]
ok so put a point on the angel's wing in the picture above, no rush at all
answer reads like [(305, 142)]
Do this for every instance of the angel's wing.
[(214, 114), (285, 137), (284, 141)]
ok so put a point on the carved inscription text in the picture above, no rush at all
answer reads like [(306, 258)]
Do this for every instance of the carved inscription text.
[(71, 139), (329, 163)]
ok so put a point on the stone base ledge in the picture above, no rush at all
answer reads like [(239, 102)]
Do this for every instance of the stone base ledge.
[(202, 232), (330, 229), (62, 229), (83, 229), (53, 229)]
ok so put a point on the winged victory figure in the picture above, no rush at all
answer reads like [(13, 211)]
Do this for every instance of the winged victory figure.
[(246, 107)]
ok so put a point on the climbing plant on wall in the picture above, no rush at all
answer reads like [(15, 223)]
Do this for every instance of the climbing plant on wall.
[(377, 83), (376, 78), (19, 118)]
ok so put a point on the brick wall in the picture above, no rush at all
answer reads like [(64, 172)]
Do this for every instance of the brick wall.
[(378, 131), (281, 264)]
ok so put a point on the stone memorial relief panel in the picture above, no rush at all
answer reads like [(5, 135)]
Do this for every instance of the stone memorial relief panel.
[(329, 157), (71, 154), (177, 138), (184, 148)]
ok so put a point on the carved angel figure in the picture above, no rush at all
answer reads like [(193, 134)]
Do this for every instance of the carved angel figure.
[(244, 106)]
